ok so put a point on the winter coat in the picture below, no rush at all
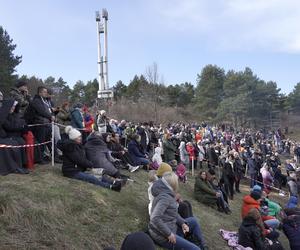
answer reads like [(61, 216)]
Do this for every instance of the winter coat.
[(10, 158), (181, 171), (184, 156), (164, 217), (248, 203), (238, 168), (204, 192), (14, 126), (76, 118), (98, 153), (201, 152), (38, 111), (293, 202), (144, 138), (74, 158), (22, 99), (102, 123), (169, 150), (135, 151), (212, 156), (227, 172), (191, 151), (157, 156), (291, 228), (63, 117), (273, 207), (88, 123), (250, 234)]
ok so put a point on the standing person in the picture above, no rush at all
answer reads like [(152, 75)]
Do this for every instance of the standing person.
[(102, 122), (238, 171), (192, 157), (228, 176), (38, 112), (166, 227), (201, 156), (20, 94), (184, 156), (64, 118), (212, 157), (169, 148), (88, 123), (77, 116)]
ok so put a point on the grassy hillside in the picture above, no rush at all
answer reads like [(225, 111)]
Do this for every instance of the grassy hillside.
[(44, 210)]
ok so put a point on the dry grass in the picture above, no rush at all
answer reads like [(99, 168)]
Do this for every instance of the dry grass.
[(44, 210)]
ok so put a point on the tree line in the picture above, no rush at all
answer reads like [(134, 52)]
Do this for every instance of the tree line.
[(237, 97)]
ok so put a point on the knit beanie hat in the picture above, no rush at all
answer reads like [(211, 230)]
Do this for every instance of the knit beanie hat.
[(163, 168), (138, 241), (256, 195), (72, 132), (256, 188)]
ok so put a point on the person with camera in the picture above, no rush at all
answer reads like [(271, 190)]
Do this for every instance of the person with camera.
[(20, 94)]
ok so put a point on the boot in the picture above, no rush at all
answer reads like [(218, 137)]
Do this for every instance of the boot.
[(116, 186)]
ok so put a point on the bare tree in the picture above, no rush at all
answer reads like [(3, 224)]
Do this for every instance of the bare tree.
[(154, 78)]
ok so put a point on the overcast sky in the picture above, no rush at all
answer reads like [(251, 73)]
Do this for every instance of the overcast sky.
[(58, 38)]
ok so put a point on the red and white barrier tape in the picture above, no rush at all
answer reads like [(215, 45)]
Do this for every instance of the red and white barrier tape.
[(282, 192), (35, 125), (24, 146)]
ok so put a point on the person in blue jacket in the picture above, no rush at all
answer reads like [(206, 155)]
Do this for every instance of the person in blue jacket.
[(136, 152)]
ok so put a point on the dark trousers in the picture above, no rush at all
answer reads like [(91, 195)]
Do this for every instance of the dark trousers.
[(42, 134), (228, 185), (237, 183)]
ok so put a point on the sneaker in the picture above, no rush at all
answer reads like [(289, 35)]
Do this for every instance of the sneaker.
[(133, 169), (116, 186)]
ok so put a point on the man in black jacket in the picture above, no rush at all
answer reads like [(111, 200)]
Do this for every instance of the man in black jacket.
[(39, 112)]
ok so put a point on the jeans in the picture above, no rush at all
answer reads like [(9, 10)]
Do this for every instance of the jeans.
[(103, 181), (272, 223), (182, 243), (141, 161)]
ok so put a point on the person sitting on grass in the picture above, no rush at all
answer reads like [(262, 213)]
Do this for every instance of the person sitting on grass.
[(75, 162), (205, 193), (166, 227), (251, 231), (136, 152)]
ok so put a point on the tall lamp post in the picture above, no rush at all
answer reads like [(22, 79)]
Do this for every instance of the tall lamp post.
[(104, 92)]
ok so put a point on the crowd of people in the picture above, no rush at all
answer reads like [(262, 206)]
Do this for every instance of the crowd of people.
[(97, 149)]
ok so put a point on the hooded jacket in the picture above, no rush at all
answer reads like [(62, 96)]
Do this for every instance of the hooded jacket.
[(135, 151), (250, 234), (293, 202), (204, 192), (164, 216), (157, 156), (248, 203), (98, 153), (291, 228), (184, 156), (74, 158)]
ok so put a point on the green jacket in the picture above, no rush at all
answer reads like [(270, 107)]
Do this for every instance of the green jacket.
[(22, 99), (204, 192), (273, 207)]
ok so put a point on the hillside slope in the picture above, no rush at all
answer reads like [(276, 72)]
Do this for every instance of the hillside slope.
[(44, 210)]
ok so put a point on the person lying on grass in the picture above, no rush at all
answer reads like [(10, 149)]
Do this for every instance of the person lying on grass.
[(75, 162)]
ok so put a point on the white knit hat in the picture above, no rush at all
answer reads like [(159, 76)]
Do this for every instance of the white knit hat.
[(72, 132)]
